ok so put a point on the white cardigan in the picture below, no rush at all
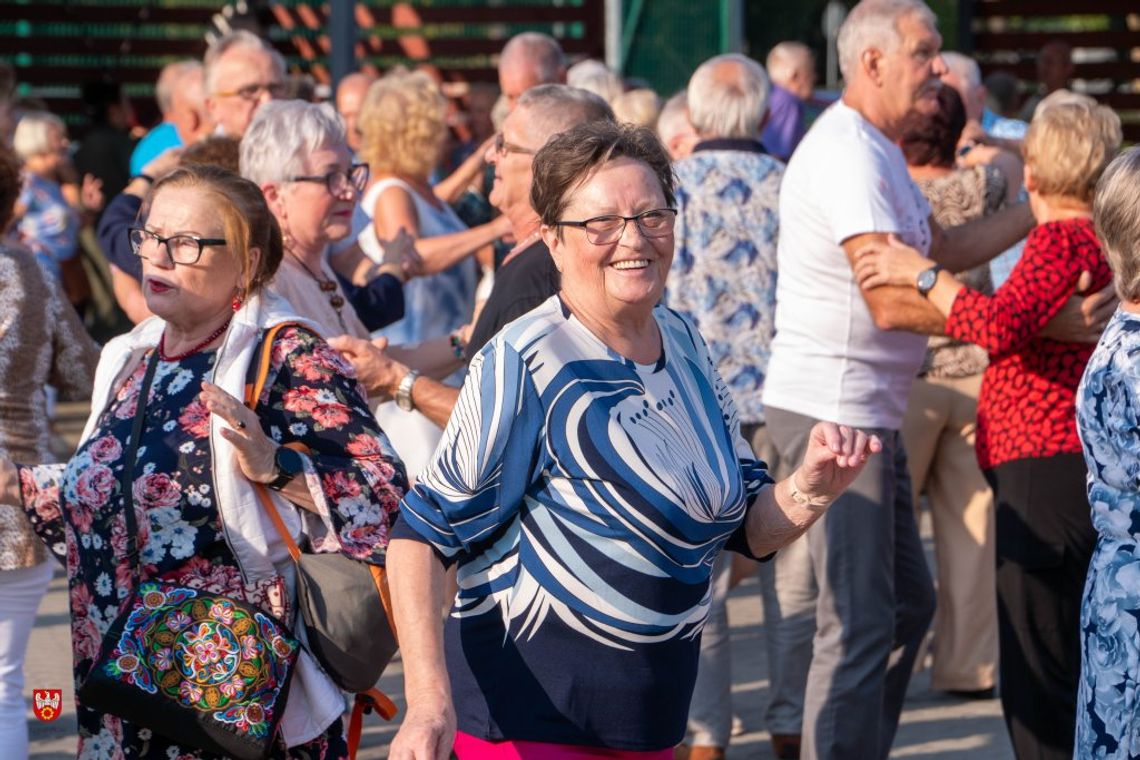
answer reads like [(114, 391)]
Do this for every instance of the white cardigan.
[(314, 701)]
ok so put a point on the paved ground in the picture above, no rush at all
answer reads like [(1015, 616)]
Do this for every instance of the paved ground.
[(934, 727)]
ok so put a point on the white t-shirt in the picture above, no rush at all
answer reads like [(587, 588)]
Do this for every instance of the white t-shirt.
[(829, 360)]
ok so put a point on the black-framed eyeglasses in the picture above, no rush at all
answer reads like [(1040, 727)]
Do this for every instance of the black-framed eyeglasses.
[(253, 91), (338, 181), (603, 230), (180, 249), (502, 147)]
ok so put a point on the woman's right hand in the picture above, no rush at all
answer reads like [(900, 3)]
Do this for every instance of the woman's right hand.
[(427, 732), (894, 263)]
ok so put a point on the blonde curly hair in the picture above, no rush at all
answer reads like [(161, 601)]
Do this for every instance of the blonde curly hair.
[(403, 124)]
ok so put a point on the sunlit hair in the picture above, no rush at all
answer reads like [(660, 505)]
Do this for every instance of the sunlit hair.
[(875, 24), (728, 97), (236, 39), (217, 150), (554, 108), (1067, 147), (402, 124), (594, 76), (540, 50), (1116, 213), (641, 107), (246, 218), (282, 137), (785, 59), (569, 159), (169, 80), (33, 133)]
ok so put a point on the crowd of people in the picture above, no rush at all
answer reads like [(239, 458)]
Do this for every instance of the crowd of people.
[(570, 360)]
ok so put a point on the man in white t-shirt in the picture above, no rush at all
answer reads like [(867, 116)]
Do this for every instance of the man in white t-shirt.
[(847, 356)]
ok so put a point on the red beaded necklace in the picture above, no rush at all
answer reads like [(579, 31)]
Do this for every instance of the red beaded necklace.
[(179, 357)]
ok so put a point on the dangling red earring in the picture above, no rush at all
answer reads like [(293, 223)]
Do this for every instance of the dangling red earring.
[(236, 303)]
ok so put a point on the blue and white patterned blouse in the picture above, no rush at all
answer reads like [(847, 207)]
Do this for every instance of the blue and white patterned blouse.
[(1108, 419), (584, 498), (724, 273)]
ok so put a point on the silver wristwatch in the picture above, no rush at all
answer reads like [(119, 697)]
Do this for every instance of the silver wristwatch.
[(404, 391), (927, 279)]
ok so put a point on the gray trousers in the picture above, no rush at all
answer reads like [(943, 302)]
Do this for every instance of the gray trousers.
[(875, 601)]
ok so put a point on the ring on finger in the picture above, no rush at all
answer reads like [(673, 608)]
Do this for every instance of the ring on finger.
[(239, 425)]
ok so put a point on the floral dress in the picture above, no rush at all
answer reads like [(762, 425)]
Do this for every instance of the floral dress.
[(1108, 418), (78, 510)]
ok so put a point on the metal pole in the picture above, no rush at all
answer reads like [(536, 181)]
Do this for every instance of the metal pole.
[(342, 39), (613, 36)]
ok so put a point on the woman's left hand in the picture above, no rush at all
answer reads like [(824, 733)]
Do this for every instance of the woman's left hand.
[(895, 263), (835, 456), (255, 450)]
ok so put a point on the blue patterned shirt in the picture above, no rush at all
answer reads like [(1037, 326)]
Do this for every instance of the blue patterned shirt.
[(585, 498), (49, 226), (724, 272)]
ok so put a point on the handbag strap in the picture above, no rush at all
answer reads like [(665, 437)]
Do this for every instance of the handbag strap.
[(127, 476)]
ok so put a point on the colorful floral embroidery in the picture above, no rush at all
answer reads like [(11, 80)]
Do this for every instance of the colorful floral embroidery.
[(212, 655)]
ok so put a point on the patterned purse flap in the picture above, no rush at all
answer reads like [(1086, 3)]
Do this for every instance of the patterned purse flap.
[(211, 654)]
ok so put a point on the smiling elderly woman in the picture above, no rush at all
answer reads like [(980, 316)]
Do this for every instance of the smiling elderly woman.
[(590, 475), (209, 245)]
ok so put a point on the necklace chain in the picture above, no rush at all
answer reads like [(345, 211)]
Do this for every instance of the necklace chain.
[(179, 357), (336, 301)]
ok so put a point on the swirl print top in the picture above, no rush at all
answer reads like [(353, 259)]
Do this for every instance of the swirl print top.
[(585, 498)]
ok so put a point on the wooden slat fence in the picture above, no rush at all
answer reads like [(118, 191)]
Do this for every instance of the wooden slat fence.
[(56, 45), (1006, 35)]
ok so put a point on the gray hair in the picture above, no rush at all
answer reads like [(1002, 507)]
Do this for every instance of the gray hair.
[(875, 24), (236, 39), (964, 67), (32, 133), (554, 108), (728, 97), (282, 136), (542, 50), (1116, 213), (596, 77), (784, 58), (674, 117), (169, 80)]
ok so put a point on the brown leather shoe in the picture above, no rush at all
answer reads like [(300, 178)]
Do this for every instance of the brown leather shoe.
[(786, 746), (699, 752)]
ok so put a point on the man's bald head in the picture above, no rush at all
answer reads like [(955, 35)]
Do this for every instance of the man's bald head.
[(728, 97), (791, 65), (528, 60), (350, 94)]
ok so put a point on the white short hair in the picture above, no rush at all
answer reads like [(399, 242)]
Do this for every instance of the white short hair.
[(236, 39), (875, 24), (596, 77), (32, 137), (554, 108), (282, 136), (964, 67), (169, 79), (674, 117), (728, 97)]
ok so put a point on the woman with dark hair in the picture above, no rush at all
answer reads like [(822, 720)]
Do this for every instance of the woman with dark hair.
[(209, 247), (939, 426), (591, 473)]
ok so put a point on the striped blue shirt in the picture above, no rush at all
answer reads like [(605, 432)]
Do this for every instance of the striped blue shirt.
[(584, 498)]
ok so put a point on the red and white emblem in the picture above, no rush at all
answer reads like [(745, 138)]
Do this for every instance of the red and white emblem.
[(46, 703)]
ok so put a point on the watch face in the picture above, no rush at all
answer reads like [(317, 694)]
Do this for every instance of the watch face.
[(289, 462), (926, 280)]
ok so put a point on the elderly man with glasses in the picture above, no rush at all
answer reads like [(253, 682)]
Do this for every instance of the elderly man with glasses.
[(242, 73)]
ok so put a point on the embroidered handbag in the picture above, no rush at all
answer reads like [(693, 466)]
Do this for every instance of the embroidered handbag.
[(203, 669)]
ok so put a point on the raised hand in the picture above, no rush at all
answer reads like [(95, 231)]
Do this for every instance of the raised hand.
[(255, 450), (835, 456)]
